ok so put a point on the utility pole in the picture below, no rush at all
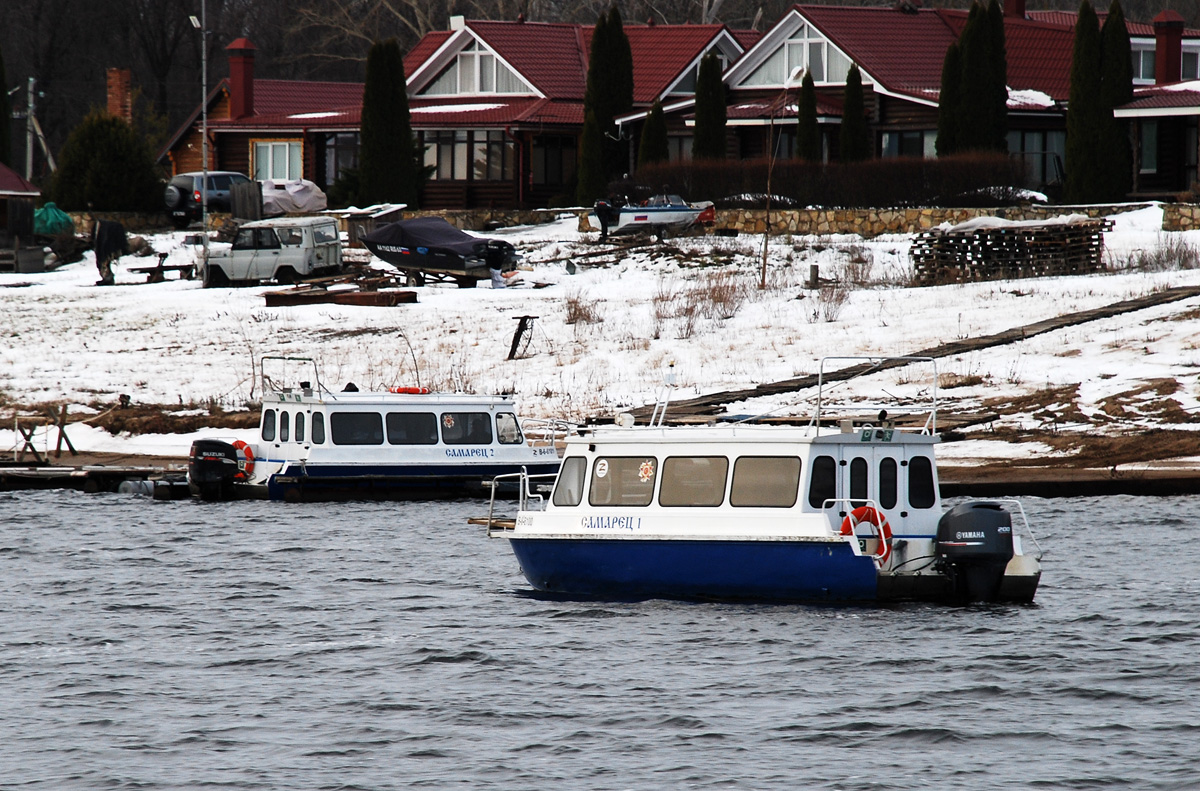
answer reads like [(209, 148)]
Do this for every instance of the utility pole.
[(29, 132)]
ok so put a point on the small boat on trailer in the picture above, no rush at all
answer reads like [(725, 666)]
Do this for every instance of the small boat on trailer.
[(400, 444), (657, 215), (845, 513)]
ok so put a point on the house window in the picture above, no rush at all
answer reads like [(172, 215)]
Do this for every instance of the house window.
[(493, 156), (908, 144), (341, 154), (679, 148), (552, 159), (1143, 63), (446, 154), (1149, 147), (1042, 153), (280, 160), (476, 70), (806, 49), (1191, 65)]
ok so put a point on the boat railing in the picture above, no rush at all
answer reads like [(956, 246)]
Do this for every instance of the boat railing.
[(1026, 531), (870, 365), (545, 432), (270, 385), (526, 497)]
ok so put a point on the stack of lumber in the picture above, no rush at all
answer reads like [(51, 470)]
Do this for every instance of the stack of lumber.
[(989, 248)]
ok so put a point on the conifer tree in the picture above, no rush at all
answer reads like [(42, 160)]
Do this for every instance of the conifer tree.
[(853, 139), (808, 134), (708, 138), (1116, 89), (387, 156), (949, 102), (5, 116), (997, 87), (653, 146), (610, 88), (974, 117), (591, 183), (1085, 113), (105, 165)]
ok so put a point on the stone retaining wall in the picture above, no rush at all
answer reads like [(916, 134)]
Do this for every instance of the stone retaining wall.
[(1181, 217)]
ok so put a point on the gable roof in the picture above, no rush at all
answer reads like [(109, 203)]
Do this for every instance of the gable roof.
[(553, 57), (1175, 99)]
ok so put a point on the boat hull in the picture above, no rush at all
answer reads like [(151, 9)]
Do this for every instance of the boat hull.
[(782, 570), (327, 482)]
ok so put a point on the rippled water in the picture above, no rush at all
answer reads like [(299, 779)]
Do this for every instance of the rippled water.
[(265, 646)]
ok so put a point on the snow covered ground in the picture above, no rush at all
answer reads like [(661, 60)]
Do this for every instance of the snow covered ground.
[(606, 334)]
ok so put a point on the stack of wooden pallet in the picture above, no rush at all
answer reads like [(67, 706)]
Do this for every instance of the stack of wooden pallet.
[(993, 249)]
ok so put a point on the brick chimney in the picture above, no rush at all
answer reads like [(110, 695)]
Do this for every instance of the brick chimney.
[(1168, 47), (120, 94), (241, 78), (1014, 9)]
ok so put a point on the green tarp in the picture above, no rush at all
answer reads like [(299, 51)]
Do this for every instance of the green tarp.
[(51, 221)]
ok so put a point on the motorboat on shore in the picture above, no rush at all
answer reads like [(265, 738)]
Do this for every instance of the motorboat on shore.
[(403, 443), (843, 510), (657, 215)]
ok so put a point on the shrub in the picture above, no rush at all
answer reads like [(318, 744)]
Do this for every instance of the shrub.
[(106, 166)]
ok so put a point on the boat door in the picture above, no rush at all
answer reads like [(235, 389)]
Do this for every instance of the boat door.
[(850, 475)]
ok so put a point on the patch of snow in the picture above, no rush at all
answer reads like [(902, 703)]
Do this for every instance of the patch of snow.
[(1029, 98), (456, 108)]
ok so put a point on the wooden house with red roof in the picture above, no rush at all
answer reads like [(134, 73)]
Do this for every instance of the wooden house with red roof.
[(498, 106)]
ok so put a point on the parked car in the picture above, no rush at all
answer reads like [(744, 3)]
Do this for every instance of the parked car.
[(184, 198), (283, 249)]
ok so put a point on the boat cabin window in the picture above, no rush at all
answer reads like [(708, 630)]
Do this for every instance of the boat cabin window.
[(508, 430), (467, 428), (693, 481), (765, 482), (299, 426), (284, 427), (887, 483), (318, 428), (858, 482), (569, 489), (921, 491), (356, 428), (412, 428), (623, 480), (268, 426), (822, 482)]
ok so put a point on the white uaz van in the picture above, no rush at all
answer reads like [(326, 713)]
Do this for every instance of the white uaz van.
[(282, 249)]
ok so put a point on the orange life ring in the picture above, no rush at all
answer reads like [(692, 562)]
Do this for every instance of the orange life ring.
[(245, 466), (410, 390), (876, 519)]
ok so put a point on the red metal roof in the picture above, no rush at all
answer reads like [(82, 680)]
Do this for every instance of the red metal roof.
[(1185, 95), (662, 52), (455, 112), (423, 49), (13, 186), (1068, 18)]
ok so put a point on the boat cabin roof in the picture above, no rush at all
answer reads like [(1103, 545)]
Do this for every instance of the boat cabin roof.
[(743, 437), (377, 399)]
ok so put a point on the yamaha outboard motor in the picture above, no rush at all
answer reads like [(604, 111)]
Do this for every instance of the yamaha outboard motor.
[(212, 467), (974, 543)]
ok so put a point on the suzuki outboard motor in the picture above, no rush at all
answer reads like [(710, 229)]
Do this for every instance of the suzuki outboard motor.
[(974, 543), (212, 467)]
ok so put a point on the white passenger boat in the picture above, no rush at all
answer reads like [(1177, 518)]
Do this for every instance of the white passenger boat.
[(657, 215), (404, 443), (850, 513)]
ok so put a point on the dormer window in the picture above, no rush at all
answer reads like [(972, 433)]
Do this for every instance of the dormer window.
[(808, 49), (476, 70)]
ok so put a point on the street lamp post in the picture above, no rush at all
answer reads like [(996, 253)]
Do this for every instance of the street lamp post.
[(201, 24)]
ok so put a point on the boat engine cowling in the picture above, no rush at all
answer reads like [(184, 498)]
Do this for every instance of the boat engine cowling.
[(212, 468), (975, 543)]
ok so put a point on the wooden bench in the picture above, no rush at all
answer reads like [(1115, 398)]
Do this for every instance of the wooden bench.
[(158, 272)]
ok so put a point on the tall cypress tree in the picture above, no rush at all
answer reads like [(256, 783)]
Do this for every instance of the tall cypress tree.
[(653, 146), (591, 183), (808, 134), (5, 116), (610, 87), (1085, 113), (949, 102), (387, 165), (853, 139), (1116, 89), (998, 78), (708, 137), (974, 117)]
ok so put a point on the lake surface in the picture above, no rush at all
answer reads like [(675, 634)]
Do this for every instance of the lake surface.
[(171, 645)]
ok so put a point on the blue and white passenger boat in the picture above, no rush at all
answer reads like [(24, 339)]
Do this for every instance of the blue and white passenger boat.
[(850, 513), (403, 443)]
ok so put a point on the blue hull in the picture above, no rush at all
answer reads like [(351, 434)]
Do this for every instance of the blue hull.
[(687, 569), (393, 481)]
